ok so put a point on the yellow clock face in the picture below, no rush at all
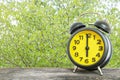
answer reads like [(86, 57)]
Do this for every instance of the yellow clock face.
[(86, 48)]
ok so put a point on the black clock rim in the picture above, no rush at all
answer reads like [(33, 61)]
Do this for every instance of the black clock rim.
[(109, 53), (94, 66)]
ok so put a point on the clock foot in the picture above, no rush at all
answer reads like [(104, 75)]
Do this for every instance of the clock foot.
[(100, 71), (75, 68)]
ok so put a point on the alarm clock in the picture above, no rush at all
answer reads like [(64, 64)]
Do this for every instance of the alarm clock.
[(89, 48)]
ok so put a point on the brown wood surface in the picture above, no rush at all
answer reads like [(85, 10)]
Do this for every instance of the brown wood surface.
[(57, 74)]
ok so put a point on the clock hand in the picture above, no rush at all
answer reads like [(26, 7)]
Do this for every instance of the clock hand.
[(87, 47)]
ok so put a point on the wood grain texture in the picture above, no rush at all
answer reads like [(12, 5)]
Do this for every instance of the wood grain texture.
[(57, 74)]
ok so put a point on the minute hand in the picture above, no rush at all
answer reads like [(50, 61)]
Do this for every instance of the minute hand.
[(87, 47)]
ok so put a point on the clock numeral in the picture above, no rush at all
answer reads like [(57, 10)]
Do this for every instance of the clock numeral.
[(93, 59), (81, 37), (74, 47), (89, 35), (76, 54), (98, 41), (81, 58), (86, 61), (100, 48), (94, 37), (76, 41), (98, 55)]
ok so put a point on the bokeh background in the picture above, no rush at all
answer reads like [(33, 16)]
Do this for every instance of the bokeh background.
[(35, 33)]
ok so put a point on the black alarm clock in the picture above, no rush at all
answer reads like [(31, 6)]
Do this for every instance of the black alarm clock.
[(89, 48)]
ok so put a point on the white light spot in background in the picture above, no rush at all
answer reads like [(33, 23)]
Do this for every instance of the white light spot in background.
[(14, 22)]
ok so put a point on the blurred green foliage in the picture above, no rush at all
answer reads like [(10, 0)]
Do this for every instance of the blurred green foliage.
[(35, 33)]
